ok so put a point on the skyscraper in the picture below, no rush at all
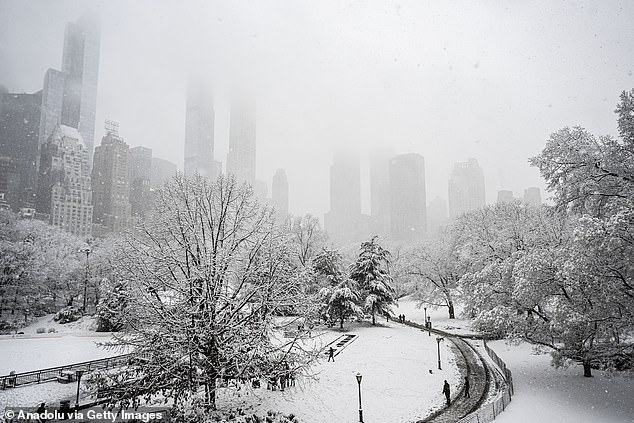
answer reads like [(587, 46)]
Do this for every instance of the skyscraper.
[(466, 188), (162, 171), (199, 131), (408, 206), (70, 96), (111, 182), (80, 64), (380, 192), (242, 134), (279, 194), (344, 222), (64, 188), (140, 176), (19, 142), (532, 196), (437, 217), (505, 196)]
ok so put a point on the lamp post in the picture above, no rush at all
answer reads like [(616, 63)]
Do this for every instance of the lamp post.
[(78, 373), (425, 308), (87, 251), (359, 377), (428, 324), (438, 340)]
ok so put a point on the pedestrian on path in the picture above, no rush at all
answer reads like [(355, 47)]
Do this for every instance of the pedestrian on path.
[(331, 354), (466, 387), (41, 413), (447, 391)]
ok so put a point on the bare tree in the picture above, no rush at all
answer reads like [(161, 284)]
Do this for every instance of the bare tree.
[(209, 277)]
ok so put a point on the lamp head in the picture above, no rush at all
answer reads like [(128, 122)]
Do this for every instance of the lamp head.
[(359, 377)]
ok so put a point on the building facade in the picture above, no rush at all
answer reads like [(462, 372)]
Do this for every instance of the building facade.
[(242, 138), (162, 171), (532, 196), (279, 195), (466, 188), (140, 179), (64, 186), (19, 142), (199, 131), (70, 95), (408, 205), (380, 192), (344, 223), (111, 184), (437, 218)]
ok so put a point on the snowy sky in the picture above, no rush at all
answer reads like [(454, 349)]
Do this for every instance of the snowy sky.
[(448, 80)]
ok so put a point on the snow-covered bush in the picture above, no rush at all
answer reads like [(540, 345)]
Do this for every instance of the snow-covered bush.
[(237, 416), (40, 330), (68, 314)]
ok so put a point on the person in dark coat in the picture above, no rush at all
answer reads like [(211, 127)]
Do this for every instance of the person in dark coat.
[(41, 411), (466, 387), (447, 391), (331, 354)]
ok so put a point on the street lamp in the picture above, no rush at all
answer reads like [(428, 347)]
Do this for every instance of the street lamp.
[(438, 340), (428, 324), (425, 315), (359, 377), (87, 251), (78, 373)]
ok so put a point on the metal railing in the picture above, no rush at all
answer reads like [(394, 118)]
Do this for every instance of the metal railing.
[(52, 373), (489, 411)]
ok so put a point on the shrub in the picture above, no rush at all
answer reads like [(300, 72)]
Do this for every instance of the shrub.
[(68, 314), (40, 330), (52, 330)]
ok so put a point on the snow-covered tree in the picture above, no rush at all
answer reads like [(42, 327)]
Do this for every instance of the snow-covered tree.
[(339, 297), (435, 264), (308, 236), (371, 272), (207, 275)]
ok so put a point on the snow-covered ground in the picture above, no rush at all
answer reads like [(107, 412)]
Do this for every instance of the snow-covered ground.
[(547, 394), (439, 316), (397, 386)]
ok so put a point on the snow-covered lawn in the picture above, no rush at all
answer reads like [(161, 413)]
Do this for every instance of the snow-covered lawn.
[(439, 316), (397, 387), (546, 394)]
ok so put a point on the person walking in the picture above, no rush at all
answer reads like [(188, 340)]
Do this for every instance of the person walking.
[(41, 413), (447, 391), (331, 354), (466, 387)]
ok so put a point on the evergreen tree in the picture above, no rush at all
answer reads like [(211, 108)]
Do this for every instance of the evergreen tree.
[(372, 274)]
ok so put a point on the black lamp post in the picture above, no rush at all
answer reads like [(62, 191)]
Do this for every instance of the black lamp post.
[(87, 251), (425, 308), (359, 377), (78, 373), (438, 340)]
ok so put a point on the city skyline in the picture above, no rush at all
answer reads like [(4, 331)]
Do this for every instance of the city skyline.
[(492, 88)]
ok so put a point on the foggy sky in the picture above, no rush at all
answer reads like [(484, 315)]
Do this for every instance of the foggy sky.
[(449, 80)]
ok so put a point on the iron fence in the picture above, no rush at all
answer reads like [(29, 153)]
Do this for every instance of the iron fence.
[(489, 411), (52, 373)]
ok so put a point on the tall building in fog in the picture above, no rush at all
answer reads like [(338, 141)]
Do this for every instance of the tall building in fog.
[(344, 222), (437, 218), (19, 142), (408, 205), (162, 171), (279, 195), (466, 188), (532, 196), (505, 196), (64, 187), (380, 192), (111, 182), (52, 102), (70, 96), (199, 131), (242, 135), (140, 177)]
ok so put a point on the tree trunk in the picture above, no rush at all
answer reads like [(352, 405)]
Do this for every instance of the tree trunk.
[(587, 370), (373, 320), (452, 314), (341, 322)]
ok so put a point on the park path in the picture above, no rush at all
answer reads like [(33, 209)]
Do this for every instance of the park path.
[(470, 364)]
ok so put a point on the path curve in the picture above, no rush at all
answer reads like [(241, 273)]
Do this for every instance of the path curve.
[(481, 379)]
